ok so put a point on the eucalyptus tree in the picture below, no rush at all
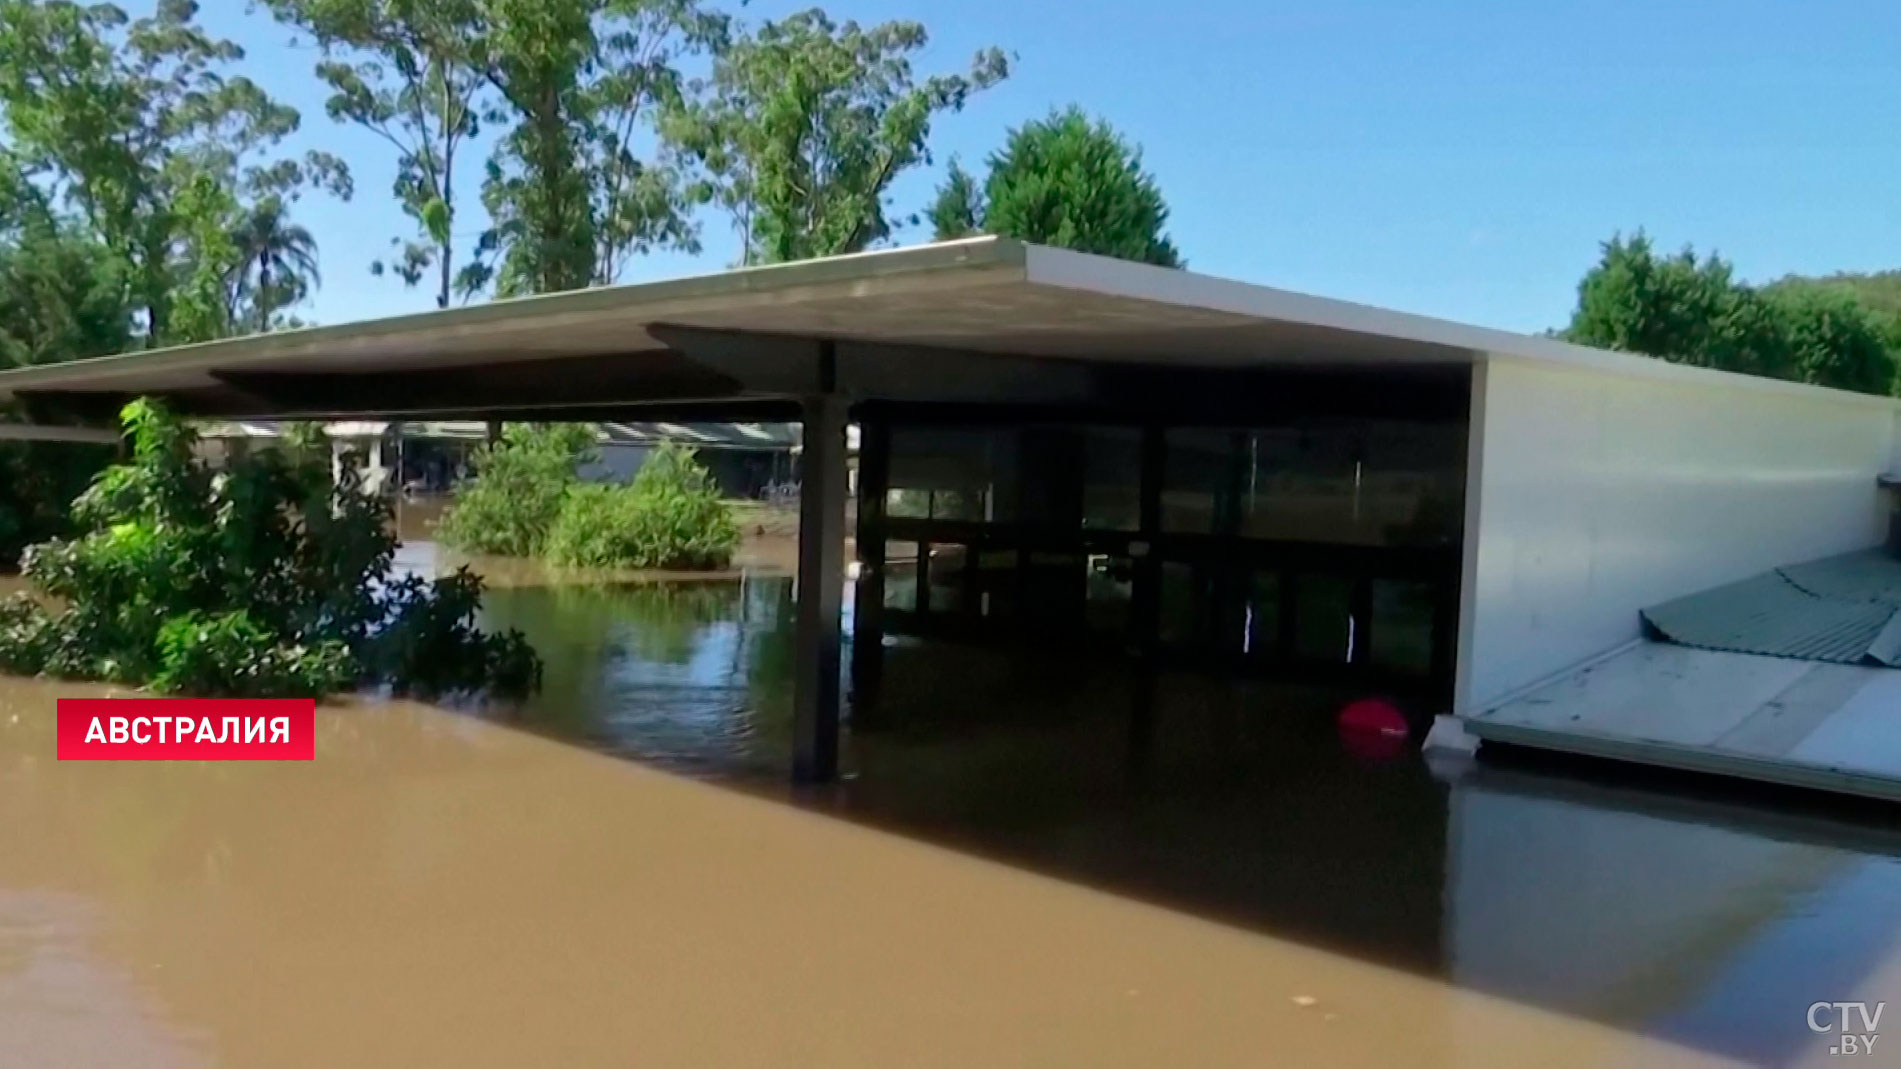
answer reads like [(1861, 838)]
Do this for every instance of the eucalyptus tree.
[(805, 123), (570, 192), (413, 72)]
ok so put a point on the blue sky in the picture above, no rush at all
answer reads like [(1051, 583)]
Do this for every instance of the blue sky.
[(1460, 160)]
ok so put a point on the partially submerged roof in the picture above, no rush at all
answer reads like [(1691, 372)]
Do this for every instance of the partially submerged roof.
[(1842, 610), (983, 319)]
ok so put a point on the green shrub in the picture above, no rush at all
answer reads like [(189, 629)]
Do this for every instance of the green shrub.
[(38, 480), (519, 485), (231, 654), (266, 579), (671, 516)]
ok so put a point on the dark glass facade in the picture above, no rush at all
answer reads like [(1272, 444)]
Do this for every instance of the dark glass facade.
[(1321, 546)]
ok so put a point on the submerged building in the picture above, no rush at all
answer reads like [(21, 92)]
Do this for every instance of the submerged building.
[(1061, 450)]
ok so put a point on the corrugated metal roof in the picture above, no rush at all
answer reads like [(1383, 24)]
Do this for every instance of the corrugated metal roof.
[(1845, 610)]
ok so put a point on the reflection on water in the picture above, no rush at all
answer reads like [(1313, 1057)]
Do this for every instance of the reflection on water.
[(694, 676), (1700, 921), (436, 889)]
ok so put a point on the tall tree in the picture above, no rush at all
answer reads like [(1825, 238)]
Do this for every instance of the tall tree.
[(412, 72), (1831, 339), (1066, 181), (807, 122), (277, 262), (121, 119), (1679, 307), (958, 209), (1693, 310), (62, 295), (570, 195)]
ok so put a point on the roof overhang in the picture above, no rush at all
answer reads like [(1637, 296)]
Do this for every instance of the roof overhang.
[(986, 319)]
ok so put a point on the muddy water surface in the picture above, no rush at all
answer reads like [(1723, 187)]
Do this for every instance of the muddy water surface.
[(615, 874)]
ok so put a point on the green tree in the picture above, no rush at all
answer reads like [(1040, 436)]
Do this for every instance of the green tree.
[(118, 118), (412, 72), (569, 194), (277, 262), (62, 296), (958, 209), (1065, 181), (1680, 308), (1831, 339), (145, 593), (806, 123), (1693, 310)]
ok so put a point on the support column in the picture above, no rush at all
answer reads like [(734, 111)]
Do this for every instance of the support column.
[(815, 690), (867, 642)]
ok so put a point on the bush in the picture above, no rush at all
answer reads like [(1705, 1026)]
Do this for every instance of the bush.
[(519, 486), (231, 654), (267, 579), (671, 516), (38, 480)]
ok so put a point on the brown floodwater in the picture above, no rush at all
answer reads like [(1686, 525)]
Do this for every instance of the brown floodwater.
[(615, 873)]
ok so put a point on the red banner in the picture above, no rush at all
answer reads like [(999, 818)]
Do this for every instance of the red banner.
[(187, 729)]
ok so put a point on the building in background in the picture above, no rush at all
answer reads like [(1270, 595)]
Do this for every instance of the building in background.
[(749, 460)]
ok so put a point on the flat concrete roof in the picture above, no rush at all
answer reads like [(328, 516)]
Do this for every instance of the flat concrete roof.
[(751, 334)]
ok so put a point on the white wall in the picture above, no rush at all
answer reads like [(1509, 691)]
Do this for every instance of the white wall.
[(1598, 493)]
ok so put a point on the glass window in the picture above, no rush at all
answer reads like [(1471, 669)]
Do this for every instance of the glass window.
[(1053, 587), (1112, 478), (1197, 470), (1297, 484), (1323, 617), (1181, 601), (1363, 482), (900, 576), (1413, 487), (1261, 616), (1400, 635), (1107, 594), (997, 582), (953, 473), (948, 575)]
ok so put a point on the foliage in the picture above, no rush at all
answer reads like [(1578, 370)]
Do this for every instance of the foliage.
[(958, 209), (412, 73), (1693, 310), (520, 483), (230, 653), (430, 641), (1063, 181), (1878, 292), (1833, 340), (62, 296), (277, 261), (126, 121), (569, 195), (806, 123), (671, 516), (166, 548), (36, 479)]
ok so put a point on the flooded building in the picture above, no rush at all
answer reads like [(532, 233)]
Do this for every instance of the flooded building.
[(1062, 453)]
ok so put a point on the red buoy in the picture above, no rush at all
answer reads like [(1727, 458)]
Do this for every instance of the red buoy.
[(1374, 728)]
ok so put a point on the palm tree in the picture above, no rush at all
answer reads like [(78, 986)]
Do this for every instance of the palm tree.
[(277, 260)]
